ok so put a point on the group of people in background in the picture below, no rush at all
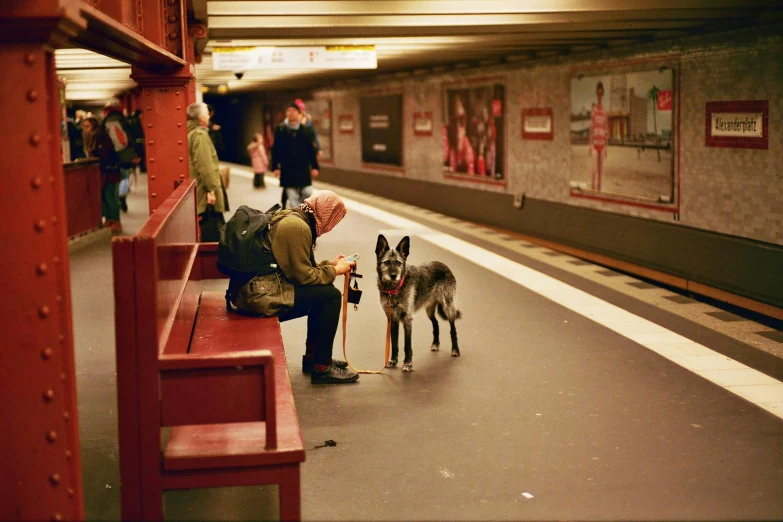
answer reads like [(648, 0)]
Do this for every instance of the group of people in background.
[(117, 141)]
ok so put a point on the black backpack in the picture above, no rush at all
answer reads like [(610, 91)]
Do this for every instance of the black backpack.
[(241, 252)]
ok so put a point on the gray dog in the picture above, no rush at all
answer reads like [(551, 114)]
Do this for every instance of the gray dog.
[(406, 289)]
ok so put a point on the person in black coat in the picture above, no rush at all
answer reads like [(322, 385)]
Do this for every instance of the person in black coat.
[(294, 158)]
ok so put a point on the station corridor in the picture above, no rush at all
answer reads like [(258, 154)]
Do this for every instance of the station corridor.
[(582, 393)]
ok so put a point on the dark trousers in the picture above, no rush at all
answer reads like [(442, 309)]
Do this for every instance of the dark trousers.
[(321, 304), (110, 200)]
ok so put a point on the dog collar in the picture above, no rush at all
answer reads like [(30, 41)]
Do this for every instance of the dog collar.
[(394, 292)]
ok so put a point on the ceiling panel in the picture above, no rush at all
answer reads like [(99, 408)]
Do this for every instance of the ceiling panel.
[(429, 35), (425, 34)]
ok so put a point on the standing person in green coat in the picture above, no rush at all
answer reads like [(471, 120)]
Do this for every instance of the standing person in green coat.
[(204, 167)]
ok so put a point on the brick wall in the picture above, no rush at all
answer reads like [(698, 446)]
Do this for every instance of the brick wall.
[(731, 191)]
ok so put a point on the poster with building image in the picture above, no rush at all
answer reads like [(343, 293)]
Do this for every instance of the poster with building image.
[(622, 134), (321, 112), (381, 128), (473, 131)]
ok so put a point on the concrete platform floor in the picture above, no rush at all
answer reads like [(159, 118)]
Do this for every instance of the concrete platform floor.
[(548, 415)]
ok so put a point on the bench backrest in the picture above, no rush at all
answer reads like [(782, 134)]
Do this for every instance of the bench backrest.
[(164, 252), (154, 307)]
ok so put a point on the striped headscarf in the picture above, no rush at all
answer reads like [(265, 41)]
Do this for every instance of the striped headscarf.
[(328, 209)]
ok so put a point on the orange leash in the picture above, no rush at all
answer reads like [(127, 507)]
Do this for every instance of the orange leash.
[(345, 331)]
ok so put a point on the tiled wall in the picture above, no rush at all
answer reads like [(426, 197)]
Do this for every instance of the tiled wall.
[(730, 191)]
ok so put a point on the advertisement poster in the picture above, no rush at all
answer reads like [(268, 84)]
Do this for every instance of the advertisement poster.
[(381, 127), (473, 135), (321, 112), (622, 134)]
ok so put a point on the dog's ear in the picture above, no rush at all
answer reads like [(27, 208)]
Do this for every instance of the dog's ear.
[(404, 247), (382, 246)]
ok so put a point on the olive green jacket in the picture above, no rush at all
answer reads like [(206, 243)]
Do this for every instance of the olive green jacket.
[(290, 239), (204, 167)]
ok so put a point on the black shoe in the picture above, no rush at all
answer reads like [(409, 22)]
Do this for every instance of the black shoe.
[(333, 375), (123, 204), (307, 364)]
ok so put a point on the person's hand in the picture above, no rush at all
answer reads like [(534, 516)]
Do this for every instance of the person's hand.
[(337, 260), (276, 172), (211, 198), (315, 173), (215, 127), (343, 267)]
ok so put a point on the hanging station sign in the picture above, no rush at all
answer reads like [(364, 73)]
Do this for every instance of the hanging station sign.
[(238, 59)]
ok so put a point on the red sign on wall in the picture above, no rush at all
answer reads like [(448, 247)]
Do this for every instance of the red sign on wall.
[(664, 100)]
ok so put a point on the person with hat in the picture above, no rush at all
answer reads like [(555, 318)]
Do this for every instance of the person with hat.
[(303, 287), (294, 159), (307, 121)]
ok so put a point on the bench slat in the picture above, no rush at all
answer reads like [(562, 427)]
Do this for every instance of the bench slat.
[(218, 331), (229, 445)]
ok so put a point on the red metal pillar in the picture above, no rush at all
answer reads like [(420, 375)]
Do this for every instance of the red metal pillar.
[(40, 461), (164, 100)]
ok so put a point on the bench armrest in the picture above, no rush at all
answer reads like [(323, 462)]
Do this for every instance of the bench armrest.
[(198, 365), (187, 361)]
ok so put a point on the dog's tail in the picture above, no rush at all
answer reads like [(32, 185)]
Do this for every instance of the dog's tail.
[(442, 314)]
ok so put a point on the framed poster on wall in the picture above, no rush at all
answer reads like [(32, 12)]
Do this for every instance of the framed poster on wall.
[(474, 131), (321, 113), (381, 118), (623, 130)]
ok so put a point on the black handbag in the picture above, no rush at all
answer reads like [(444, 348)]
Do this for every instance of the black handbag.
[(211, 224)]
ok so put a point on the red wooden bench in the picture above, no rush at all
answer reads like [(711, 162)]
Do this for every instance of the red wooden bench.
[(204, 395)]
